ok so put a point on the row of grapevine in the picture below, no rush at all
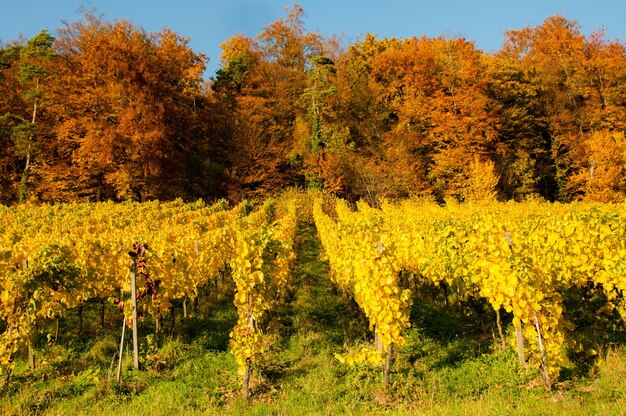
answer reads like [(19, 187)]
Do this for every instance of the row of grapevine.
[(53, 258), (261, 269), (519, 257), (363, 264)]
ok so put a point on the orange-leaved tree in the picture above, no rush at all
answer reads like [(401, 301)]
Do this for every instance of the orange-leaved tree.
[(579, 82), (602, 177), (124, 102), (262, 81), (437, 92)]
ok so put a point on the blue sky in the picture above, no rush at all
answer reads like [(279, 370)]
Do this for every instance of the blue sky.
[(208, 23)]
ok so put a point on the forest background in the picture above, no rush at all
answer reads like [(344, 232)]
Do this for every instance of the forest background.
[(105, 110)]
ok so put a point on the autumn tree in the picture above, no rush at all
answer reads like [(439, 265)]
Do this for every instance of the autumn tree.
[(238, 59), (111, 111), (481, 182), (126, 104), (34, 60), (23, 71), (8, 158), (581, 93), (10, 103), (367, 116), (602, 177), (436, 90), (326, 153), (263, 80), (523, 144), (371, 169)]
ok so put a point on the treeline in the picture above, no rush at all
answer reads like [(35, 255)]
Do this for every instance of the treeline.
[(106, 110)]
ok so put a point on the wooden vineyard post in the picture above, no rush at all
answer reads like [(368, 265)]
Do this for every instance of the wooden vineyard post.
[(544, 361), (119, 364), (388, 364), (377, 343), (500, 331), (520, 345), (133, 289)]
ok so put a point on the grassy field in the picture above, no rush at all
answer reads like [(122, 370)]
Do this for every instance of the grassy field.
[(450, 365)]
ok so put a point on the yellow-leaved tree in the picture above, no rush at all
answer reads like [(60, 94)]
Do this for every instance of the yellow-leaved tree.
[(602, 178), (482, 181)]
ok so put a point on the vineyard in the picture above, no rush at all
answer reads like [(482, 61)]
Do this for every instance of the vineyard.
[(540, 287)]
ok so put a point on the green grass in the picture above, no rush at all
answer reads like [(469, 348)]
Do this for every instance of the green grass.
[(448, 366)]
